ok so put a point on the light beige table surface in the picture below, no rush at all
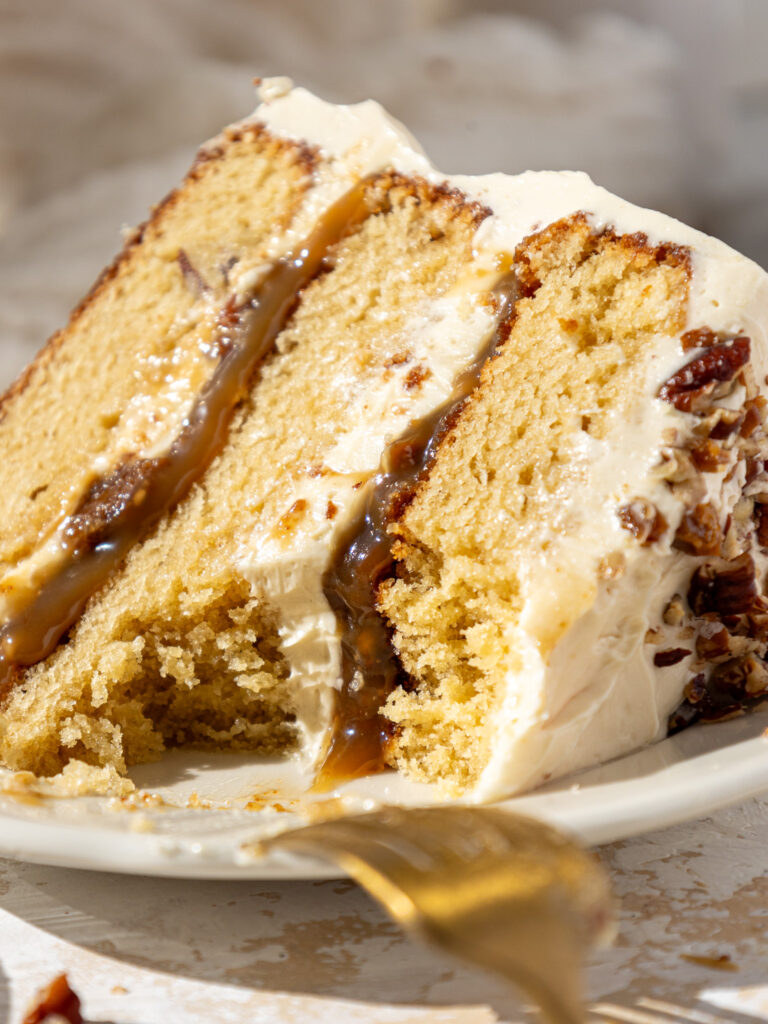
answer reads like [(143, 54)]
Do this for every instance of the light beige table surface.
[(153, 951)]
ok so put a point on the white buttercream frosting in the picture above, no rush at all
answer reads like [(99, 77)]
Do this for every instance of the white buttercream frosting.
[(597, 693)]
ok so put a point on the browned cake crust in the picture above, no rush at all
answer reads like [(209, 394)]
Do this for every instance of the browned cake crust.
[(305, 156)]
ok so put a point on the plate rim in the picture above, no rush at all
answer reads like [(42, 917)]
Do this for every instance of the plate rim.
[(596, 814)]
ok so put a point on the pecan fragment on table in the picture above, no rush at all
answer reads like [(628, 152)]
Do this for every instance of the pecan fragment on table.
[(56, 999)]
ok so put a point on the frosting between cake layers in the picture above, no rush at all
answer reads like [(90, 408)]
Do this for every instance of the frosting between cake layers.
[(287, 571), (568, 706)]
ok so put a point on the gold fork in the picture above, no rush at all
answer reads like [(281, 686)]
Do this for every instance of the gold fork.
[(502, 890)]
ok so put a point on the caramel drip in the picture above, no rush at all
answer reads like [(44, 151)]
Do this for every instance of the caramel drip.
[(363, 559), (120, 509)]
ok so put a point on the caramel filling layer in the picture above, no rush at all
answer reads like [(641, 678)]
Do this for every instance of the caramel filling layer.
[(120, 509), (363, 559)]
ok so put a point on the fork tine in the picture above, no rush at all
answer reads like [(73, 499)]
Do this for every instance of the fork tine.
[(502, 890)]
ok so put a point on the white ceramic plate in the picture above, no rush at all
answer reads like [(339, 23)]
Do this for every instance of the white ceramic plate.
[(216, 807)]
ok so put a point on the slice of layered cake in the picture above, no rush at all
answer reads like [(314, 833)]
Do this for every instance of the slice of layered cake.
[(350, 460)]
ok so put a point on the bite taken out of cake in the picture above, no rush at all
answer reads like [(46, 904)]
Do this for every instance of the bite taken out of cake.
[(350, 460)]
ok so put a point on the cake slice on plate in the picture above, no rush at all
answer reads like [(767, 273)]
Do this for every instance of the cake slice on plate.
[(349, 459)]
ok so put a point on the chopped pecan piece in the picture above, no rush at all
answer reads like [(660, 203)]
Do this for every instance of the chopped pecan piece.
[(676, 466), (702, 337), (737, 680), (725, 422), (674, 613), (748, 379), (713, 641), (731, 546), (643, 520), (742, 513), (734, 624), (754, 416), (289, 520), (398, 359), (696, 688), (416, 376), (709, 456), (730, 591), (732, 687), (761, 522), (663, 659), (682, 717), (755, 466), (695, 382), (699, 531), (757, 626), (756, 676)]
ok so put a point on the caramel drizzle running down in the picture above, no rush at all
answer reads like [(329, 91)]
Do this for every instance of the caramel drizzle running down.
[(120, 509), (363, 558)]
